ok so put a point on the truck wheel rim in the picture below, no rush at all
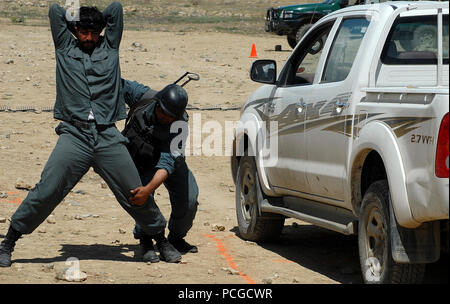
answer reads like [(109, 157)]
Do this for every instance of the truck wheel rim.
[(247, 194), (375, 242)]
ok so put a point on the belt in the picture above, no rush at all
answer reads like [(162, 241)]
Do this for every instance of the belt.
[(82, 124), (86, 125)]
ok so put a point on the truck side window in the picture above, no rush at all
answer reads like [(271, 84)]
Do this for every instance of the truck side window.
[(445, 38), (303, 64), (344, 49), (414, 40)]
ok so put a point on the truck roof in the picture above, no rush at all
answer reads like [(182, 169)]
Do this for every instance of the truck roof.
[(394, 5)]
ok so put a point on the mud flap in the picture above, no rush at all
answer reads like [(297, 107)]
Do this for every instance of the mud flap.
[(259, 195), (418, 245), (264, 200)]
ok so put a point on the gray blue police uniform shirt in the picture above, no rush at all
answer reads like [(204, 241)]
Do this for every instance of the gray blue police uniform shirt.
[(88, 82)]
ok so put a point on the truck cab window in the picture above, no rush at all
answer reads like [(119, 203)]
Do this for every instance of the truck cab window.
[(303, 64), (414, 40), (445, 37), (344, 49)]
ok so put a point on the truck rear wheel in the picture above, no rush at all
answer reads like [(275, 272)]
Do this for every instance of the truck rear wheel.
[(374, 241), (252, 225)]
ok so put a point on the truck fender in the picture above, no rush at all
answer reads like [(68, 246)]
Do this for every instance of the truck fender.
[(250, 127), (379, 137)]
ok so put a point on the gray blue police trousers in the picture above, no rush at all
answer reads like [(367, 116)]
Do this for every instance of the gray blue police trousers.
[(77, 150), (183, 194)]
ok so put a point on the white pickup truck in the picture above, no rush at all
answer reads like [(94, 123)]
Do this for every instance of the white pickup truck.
[(353, 135)]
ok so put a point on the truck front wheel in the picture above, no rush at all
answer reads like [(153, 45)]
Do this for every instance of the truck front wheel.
[(253, 226), (302, 31), (292, 41), (374, 241)]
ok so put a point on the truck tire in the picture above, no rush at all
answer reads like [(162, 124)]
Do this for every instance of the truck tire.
[(302, 31), (374, 241), (252, 225), (292, 41)]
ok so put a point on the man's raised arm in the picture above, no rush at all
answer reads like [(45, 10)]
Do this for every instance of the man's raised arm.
[(58, 25), (113, 15), (134, 92)]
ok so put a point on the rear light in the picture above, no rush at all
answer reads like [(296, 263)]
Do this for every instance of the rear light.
[(442, 149)]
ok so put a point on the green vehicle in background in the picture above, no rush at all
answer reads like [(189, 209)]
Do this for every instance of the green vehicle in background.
[(295, 20)]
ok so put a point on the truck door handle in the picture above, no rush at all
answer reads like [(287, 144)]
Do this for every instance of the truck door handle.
[(271, 107), (339, 106), (301, 105)]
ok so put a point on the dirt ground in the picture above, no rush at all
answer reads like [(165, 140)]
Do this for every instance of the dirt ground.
[(91, 226)]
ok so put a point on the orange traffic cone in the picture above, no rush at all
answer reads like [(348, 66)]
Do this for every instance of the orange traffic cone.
[(253, 52)]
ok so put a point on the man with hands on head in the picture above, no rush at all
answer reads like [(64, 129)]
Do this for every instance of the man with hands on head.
[(89, 101)]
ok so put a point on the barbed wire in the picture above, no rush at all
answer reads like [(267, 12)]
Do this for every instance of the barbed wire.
[(212, 108), (25, 109), (50, 109)]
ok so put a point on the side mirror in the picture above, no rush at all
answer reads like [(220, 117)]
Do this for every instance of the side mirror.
[(264, 71)]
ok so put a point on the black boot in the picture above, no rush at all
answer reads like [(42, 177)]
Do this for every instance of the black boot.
[(7, 247), (167, 252), (181, 245), (148, 250)]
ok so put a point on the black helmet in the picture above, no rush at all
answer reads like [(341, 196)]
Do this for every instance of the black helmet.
[(173, 100)]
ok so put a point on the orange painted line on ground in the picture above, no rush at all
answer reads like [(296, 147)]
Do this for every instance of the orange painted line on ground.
[(228, 258), (284, 261), (12, 192), (16, 201)]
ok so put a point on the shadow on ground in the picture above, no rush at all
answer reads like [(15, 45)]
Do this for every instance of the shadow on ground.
[(99, 252), (334, 255)]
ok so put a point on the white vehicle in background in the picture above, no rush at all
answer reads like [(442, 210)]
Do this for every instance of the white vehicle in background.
[(362, 137)]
